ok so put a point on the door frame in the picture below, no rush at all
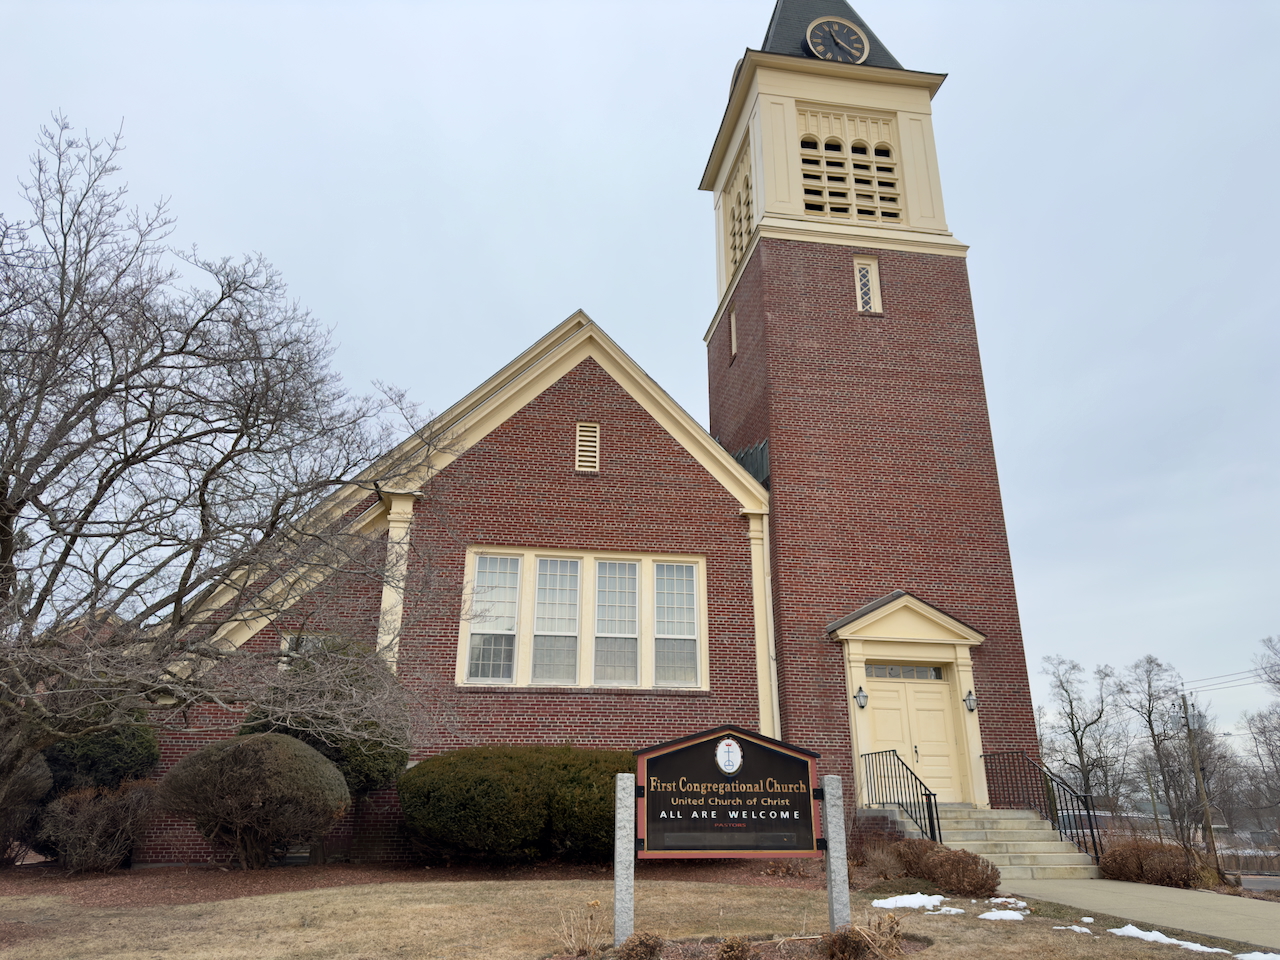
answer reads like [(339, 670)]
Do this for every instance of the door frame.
[(901, 628)]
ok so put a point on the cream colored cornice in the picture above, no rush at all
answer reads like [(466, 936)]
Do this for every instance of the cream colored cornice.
[(753, 60), (946, 628), (838, 234)]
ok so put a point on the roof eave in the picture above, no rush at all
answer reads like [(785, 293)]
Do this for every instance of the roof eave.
[(754, 59)]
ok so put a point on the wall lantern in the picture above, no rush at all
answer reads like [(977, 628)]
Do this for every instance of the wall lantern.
[(970, 701), (860, 698)]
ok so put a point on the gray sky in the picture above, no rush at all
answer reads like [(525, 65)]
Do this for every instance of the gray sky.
[(441, 183)]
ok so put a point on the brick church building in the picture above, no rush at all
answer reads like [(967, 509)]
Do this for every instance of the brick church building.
[(577, 560)]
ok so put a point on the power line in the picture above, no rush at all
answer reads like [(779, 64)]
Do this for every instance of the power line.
[(1212, 687), (1252, 672)]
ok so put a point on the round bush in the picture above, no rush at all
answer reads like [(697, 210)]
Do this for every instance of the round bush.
[(509, 803), (912, 854), (962, 874), (1146, 861), (366, 763), (257, 794)]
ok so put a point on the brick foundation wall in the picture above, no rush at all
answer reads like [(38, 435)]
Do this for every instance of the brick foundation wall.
[(883, 473)]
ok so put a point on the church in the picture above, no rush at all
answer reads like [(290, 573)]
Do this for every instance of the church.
[(572, 558)]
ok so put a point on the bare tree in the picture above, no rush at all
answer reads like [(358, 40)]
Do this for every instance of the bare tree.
[(1149, 690), (1084, 733), (177, 456), (1268, 662), (1262, 792)]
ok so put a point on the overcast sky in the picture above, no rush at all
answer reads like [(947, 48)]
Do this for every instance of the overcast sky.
[(441, 183)]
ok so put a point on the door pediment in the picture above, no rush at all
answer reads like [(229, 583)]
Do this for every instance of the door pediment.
[(901, 617)]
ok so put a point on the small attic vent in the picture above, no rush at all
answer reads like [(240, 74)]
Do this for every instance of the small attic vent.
[(587, 459)]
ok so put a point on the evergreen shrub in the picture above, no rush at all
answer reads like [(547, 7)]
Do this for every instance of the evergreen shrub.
[(104, 759), (366, 763), (507, 803), (257, 794), (19, 816)]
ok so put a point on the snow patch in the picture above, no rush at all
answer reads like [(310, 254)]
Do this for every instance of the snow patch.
[(910, 901), (1016, 904), (1077, 929), (1086, 919), (1000, 915), (943, 911), (1258, 956), (1155, 936)]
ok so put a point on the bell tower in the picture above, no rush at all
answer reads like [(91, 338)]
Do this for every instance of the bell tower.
[(844, 373)]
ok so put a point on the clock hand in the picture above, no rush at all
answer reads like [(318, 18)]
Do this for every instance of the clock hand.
[(843, 44)]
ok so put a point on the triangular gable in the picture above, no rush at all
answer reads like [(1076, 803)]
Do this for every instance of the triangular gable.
[(536, 369), (902, 616)]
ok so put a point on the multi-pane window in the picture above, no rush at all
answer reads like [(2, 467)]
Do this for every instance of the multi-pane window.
[(617, 648), (555, 623), (493, 619), (903, 671), (581, 619), (675, 624)]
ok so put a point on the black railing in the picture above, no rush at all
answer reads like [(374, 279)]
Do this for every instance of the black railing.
[(1017, 782), (891, 782)]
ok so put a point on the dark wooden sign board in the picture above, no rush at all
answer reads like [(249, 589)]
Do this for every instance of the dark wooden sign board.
[(727, 792)]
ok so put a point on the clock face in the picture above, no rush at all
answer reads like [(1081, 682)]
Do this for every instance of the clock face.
[(831, 38), (729, 756)]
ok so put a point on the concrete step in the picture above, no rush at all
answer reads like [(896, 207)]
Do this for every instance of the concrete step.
[(1050, 873), (991, 848), (951, 827), (958, 812), (1048, 834)]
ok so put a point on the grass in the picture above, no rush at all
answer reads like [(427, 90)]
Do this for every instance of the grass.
[(500, 920)]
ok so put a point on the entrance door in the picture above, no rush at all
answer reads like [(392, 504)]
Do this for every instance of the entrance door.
[(913, 717)]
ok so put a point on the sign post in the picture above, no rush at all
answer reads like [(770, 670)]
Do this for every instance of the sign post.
[(624, 858)]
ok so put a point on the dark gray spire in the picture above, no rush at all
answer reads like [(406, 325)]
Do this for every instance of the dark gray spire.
[(792, 17)]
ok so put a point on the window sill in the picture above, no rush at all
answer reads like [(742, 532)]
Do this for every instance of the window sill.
[(586, 691)]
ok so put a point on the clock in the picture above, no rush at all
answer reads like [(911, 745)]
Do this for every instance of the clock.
[(729, 756), (838, 40)]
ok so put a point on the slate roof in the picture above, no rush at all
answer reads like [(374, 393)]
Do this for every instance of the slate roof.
[(792, 17)]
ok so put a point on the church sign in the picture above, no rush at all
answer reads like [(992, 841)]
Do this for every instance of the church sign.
[(726, 792)]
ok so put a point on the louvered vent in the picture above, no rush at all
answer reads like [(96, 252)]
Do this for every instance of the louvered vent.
[(588, 455)]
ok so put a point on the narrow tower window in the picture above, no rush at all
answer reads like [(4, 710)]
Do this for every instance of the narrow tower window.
[(866, 274), (587, 458), (733, 334)]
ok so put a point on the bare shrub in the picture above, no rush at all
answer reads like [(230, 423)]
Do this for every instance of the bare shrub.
[(913, 853), (962, 874), (582, 930), (258, 795), (880, 938), (94, 829), (734, 948), (1146, 861), (881, 859), (641, 946)]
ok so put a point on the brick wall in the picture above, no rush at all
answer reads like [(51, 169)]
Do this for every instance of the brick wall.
[(517, 487), (883, 474)]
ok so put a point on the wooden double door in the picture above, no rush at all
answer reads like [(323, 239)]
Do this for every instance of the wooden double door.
[(915, 718)]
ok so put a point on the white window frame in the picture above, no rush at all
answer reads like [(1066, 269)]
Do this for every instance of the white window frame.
[(872, 267), (587, 570)]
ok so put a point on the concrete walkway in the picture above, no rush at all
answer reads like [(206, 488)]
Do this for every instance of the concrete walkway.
[(1162, 908)]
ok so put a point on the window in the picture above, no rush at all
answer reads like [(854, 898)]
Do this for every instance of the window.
[(866, 276), (737, 205), (567, 618), (300, 645), (733, 334), (587, 450), (899, 671)]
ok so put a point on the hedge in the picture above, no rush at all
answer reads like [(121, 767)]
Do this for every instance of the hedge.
[(507, 803)]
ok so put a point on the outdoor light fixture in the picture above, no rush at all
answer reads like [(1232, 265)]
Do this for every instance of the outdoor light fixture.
[(970, 701), (860, 698)]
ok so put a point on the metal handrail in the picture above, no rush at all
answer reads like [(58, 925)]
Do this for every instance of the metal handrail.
[(891, 781), (1016, 781)]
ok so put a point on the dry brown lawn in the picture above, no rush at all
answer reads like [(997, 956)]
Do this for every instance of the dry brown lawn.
[(497, 920)]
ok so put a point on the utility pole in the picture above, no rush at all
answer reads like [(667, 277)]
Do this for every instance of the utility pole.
[(1211, 847)]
